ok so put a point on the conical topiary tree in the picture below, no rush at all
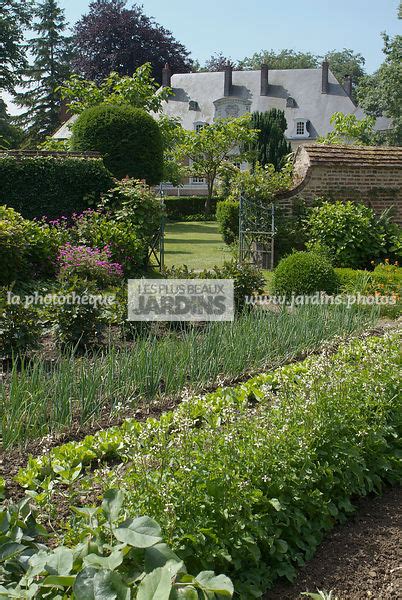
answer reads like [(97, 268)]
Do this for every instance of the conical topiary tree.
[(270, 146)]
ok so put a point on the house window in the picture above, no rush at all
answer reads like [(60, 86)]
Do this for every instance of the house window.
[(198, 180), (199, 126), (300, 128)]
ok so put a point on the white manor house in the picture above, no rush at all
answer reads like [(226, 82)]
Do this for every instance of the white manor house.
[(308, 97)]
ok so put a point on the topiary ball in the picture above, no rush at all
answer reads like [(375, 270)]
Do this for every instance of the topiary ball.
[(128, 138), (304, 273)]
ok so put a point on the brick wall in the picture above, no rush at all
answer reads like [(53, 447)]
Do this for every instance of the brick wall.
[(377, 187)]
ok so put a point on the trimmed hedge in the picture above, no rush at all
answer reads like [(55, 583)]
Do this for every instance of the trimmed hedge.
[(178, 207), (52, 186), (227, 215), (128, 138)]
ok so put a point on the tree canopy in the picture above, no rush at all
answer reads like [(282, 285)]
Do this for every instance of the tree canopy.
[(51, 54), (14, 18), (381, 93), (284, 59), (114, 37), (214, 145), (139, 90)]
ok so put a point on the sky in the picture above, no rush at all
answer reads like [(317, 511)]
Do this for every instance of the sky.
[(239, 28)]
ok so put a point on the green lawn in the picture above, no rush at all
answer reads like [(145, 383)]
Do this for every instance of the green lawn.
[(197, 244)]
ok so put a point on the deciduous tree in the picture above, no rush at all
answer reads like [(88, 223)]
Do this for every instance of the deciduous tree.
[(213, 146), (139, 90), (381, 93), (114, 37), (285, 59)]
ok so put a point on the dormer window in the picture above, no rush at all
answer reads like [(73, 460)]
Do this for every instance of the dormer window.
[(301, 130)]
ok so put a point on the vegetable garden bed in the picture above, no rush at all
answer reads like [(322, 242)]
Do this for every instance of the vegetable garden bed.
[(245, 480)]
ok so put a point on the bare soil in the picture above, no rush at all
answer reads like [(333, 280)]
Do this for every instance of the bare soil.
[(361, 559)]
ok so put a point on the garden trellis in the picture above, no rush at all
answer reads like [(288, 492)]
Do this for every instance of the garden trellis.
[(256, 232)]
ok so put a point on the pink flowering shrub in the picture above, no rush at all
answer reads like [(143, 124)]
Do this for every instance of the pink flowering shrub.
[(93, 264)]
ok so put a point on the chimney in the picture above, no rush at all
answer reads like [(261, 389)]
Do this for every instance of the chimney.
[(264, 80), (347, 85), (228, 79), (166, 76), (325, 84)]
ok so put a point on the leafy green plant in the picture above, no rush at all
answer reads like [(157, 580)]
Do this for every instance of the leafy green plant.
[(227, 215), (351, 233), (20, 328), (134, 203), (79, 320), (28, 249), (303, 273), (249, 479), (98, 229), (139, 90), (125, 559), (128, 138)]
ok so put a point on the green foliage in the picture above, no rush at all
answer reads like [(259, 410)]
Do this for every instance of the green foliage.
[(261, 184), (351, 233), (28, 249), (293, 447), (290, 230), (45, 400), (248, 279), (380, 93), (284, 59), (345, 63), (180, 207), (79, 321), (99, 229), (348, 129), (128, 138), (227, 216), (20, 328), (51, 186), (139, 91), (133, 203), (51, 54), (15, 17), (214, 146), (304, 273), (10, 135), (128, 560), (271, 146)]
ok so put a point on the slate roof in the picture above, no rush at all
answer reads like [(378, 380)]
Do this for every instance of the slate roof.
[(303, 85)]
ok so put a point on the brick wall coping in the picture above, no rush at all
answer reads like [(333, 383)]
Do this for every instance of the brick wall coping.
[(35, 153), (352, 156)]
